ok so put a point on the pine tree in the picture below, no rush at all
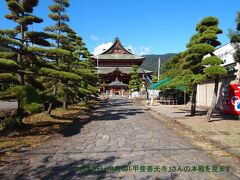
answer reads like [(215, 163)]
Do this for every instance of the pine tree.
[(66, 39), (201, 44), (60, 29), (19, 62), (82, 66), (213, 70), (235, 40), (135, 83)]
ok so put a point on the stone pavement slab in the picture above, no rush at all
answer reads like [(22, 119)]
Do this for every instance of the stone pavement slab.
[(122, 141)]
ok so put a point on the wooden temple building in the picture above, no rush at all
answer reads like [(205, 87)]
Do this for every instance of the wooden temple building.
[(114, 66)]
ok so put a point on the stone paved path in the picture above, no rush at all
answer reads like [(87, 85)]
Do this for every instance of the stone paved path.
[(119, 134)]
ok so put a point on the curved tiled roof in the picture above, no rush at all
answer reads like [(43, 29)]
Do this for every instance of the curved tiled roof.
[(117, 51), (117, 44), (117, 83), (124, 70), (118, 56)]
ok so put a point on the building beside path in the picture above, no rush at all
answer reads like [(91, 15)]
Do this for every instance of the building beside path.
[(114, 66), (205, 90)]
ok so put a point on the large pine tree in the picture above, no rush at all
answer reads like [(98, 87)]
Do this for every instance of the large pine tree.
[(18, 60), (135, 83), (66, 39), (235, 40), (201, 44), (35, 71), (60, 30)]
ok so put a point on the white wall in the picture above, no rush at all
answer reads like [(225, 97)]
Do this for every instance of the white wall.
[(205, 92), (206, 89), (225, 53)]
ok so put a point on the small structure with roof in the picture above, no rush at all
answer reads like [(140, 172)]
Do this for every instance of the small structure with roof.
[(117, 87)]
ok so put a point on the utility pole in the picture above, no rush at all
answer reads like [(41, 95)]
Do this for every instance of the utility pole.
[(159, 65)]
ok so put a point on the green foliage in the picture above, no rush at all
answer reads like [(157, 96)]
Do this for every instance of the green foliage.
[(237, 55), (51, 52), (198, 78), (187, 69), (33, 108), (28, 5), (235, 38), (60, 74), (238, 21), (7, 77), (192, 61), (75, 76), (151, 61), (170, 63), (207, 22), (8, 32), (154, 79), (93, 89), (212, 61), (8, 65), (215, 70), (43, 67), (29, 99), (15, 7), (8, 55), (12, 122), (202, 49), (135, 83), (10, 43)]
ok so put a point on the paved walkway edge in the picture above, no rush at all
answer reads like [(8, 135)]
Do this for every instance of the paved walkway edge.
[(200, 138)]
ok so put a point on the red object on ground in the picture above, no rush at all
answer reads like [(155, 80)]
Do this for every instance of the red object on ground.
[(231, 99)]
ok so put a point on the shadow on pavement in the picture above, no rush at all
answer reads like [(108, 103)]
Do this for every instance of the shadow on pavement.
[(113, 109), (216, 116), (87, 167)]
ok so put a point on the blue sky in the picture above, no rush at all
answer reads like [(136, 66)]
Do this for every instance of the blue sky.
[(146, 26)]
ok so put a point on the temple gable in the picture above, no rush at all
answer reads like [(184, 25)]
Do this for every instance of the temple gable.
[(117, 48)]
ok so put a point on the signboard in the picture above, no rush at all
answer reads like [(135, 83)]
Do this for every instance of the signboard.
[(153, 93)]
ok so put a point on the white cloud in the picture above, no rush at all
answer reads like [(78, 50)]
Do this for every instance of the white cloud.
[(144, 50), (130, 47), (99, 49), (94, 38)]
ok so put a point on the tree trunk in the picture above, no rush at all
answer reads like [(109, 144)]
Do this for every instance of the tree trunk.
[(21, 75), (65, 102), (20, 56), (20, 113), (214, 100), (65, 106), (193, 105), (50, 107)]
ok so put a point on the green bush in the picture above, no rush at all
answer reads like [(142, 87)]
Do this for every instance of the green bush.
[(33, 108), (12, 122)]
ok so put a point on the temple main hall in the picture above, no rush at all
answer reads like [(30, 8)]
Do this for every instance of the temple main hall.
[(114, 66)]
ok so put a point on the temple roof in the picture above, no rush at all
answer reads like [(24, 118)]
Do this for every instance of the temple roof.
[(124, 70), (117, 83), (117, 48), (117, 51), (119, 56)]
